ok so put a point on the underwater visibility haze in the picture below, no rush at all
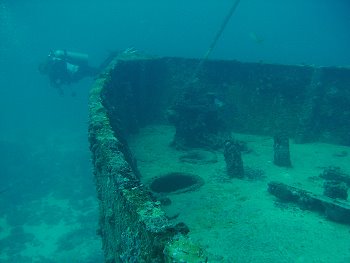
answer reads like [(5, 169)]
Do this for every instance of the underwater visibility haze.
[(49, 210)]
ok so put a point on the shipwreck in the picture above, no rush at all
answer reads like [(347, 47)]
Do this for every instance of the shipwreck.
[(157, 137)]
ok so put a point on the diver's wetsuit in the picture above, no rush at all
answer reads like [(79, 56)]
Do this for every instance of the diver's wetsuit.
[(63, 72)]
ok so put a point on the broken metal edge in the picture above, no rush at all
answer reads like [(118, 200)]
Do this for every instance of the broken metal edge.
[(334, 209)]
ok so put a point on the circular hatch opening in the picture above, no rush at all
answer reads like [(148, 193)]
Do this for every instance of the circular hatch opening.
[(176, 182)]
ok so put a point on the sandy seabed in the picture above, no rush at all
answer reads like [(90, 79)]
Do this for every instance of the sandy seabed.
[(49, 214)]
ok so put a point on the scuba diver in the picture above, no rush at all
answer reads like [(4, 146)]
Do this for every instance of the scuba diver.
[(64, 68)]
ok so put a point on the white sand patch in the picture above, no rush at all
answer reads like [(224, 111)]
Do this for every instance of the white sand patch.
[(47, 237)]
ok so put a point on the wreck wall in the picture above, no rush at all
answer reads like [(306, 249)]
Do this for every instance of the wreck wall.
[(310, 104), (132, 225)]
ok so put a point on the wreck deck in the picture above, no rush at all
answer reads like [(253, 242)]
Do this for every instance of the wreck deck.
[(238, 220)]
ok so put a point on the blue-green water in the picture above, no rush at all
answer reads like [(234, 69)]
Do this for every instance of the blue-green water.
[(46, 193)]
